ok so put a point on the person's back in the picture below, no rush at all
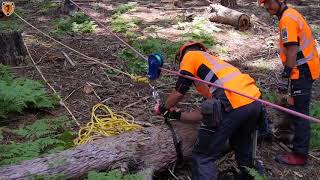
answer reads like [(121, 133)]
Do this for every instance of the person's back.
[(210, 68)]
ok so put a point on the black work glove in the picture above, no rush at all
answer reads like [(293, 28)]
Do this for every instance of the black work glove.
[(162, 109), (172, 115), (286, 72), (167, 114)]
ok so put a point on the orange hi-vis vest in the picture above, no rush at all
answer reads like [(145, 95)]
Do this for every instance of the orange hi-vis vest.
[(210, 68), (294, 29)]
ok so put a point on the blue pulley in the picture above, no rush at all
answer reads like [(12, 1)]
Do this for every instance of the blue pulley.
[(155, 61)]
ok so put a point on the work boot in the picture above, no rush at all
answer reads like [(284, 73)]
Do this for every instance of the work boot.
[(292, 159)]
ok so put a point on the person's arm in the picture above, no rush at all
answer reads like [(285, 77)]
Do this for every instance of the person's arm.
[(182, 87), (173, 98), (289, 36), (191, 117), (292, 51)]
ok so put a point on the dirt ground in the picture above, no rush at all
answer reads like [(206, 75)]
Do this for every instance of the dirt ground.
[(253, 51)]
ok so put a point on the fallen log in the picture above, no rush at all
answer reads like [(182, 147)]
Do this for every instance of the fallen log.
[(224, 15), (151, 148)]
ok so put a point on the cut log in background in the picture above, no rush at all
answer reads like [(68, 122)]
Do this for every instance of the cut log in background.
[(151, 148), (12, 49), (224, 15)]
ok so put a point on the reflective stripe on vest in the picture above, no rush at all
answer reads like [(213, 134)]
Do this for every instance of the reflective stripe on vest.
[(224, 80), (215, 68), (305, 42)]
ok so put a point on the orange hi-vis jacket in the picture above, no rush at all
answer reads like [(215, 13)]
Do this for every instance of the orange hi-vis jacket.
[(295, 30), (210, 68)]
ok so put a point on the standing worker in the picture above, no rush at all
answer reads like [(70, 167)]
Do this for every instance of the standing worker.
[(223, 115), (301, 65)]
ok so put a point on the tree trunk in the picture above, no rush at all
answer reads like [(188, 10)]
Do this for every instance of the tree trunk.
[(12, 49), (151, 148), (225, 15), (229, 3)]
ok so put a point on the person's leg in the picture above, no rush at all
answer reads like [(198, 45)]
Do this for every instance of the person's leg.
[(302, 126), (301, 92), (211, 141), (242, 141), (203, 163)]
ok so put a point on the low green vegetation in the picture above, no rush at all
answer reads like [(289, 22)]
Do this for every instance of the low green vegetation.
[(10, 24), (207, 39), (18, 94), (272, 96), (120, 25), (123, 8), (113, 175), (78, 23), (44, 136), (315, 128), (198, 30), (148, 45), (45, 5), (255, 174)]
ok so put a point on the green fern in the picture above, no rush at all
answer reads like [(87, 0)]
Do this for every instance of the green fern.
[(44, 136), (19, 94), (5, 73), (43, 128)]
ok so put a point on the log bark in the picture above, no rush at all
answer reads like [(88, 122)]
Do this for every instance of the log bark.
[(150, 148), (12, 48), (224, 15)]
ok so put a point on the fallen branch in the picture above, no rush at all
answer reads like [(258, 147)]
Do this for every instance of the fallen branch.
[(137, 102), (68, 58)]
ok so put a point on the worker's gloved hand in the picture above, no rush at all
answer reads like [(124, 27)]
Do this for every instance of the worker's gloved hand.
[(160, 109), (172, 115), (286, 72)]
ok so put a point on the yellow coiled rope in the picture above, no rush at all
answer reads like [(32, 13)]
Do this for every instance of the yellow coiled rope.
[(107, 123), (139, 79)]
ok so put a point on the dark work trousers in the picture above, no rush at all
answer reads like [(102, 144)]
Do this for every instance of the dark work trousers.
[(238, 126), (301, 93)]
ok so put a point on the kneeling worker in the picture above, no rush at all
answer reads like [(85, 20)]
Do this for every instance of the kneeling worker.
[(223, 115)]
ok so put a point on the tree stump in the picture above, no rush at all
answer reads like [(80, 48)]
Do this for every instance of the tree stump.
[(12, 48), (229, 3), (224, 15), (68, 7)]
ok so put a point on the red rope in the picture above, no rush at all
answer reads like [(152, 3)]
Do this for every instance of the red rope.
[(200, 80)]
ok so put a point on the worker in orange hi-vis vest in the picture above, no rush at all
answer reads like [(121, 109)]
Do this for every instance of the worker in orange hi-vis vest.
[(223, 115), (300, 58)]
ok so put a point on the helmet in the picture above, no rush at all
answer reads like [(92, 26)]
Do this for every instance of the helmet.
[(183, 49)]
